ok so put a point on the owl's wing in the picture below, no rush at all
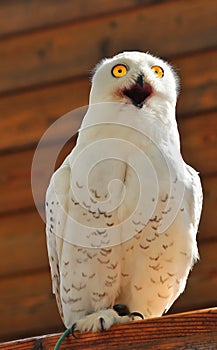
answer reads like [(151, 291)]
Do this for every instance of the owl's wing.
[(196, 198), (75, 220), (54, 233)]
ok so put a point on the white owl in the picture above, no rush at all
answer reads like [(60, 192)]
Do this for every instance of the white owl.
[(122, 212)]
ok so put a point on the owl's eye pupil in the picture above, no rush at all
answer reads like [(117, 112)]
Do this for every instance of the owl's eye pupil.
[(159, 72), (119, 71)]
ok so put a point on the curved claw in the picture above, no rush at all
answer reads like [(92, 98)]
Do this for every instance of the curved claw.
[(121, 309), (102, 323), (138, 314), (73, 328)]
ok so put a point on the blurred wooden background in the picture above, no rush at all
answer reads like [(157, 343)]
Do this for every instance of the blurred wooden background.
[(47, 50)]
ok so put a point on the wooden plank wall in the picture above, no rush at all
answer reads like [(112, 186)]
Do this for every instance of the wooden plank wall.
[(170, 332), (47, 50)]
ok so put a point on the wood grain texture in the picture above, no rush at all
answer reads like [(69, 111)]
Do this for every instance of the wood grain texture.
[(194, 330), (27, 305), (41, 107), (207, 229), (199, 142), (50, 13), (57, 54), (198, 82), (202, 282), (15, 181), (23, 246), (27, 298)]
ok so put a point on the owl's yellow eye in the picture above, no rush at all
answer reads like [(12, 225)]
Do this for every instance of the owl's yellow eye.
[(119, 71), (159, 72)]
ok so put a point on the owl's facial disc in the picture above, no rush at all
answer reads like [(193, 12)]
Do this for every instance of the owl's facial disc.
[(138, 92)]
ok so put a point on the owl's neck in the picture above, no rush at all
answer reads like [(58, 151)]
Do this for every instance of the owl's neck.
[(109, 120)]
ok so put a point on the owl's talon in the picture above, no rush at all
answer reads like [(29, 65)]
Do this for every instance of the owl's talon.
[(73, 328), (102, 323), (121, 309), (137, 314)]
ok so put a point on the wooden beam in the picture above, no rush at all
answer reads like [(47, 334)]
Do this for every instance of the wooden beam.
[(15, 181), (28, 116), (42, 107), (202, 282), (194, 330), (198, 83), (199, 142), (27, 305), (166, 29), (23, 245), (19, 16), (207, 229)]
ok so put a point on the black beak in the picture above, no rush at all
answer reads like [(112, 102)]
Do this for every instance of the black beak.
[(139, 91), (140, 80)]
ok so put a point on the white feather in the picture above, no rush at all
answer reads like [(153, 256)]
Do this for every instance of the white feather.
[(123, 209)]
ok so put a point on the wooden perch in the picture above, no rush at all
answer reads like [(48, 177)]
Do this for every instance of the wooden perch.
[(191, 330)]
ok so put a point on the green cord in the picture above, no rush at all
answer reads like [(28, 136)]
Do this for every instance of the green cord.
[(61, 338)]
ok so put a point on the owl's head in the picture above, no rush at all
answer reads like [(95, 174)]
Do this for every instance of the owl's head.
[(135, 78)]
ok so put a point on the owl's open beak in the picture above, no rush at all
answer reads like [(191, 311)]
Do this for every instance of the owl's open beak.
[(138, 92)]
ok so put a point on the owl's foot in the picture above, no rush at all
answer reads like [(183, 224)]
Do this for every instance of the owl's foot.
[(104, 319)]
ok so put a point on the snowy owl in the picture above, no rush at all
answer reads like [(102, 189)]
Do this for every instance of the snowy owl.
[(122, 211)]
